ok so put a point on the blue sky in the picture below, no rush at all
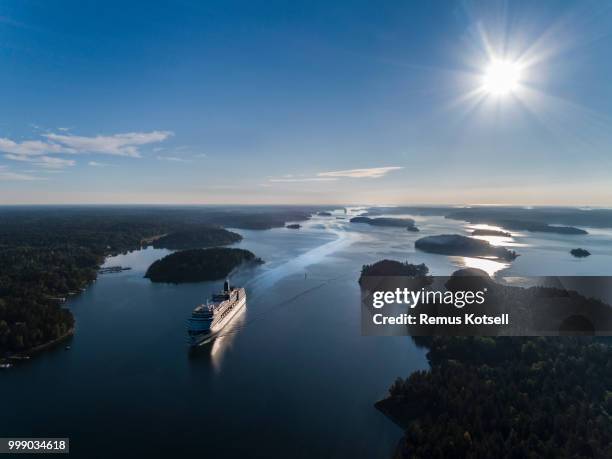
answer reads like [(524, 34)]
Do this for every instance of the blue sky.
[(304, 102)]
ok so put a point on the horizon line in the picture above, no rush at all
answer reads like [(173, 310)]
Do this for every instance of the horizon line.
[(432, 205)]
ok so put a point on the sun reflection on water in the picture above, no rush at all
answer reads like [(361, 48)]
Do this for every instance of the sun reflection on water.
[(488, 265), (508, 241), (224, 342)]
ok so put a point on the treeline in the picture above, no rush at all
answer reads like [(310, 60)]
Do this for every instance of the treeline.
[(506, 398), (544, 216), (48, 253), (199, 237), (47, 256), (393, 268)]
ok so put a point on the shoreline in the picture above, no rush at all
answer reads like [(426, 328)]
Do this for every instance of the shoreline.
[(147, 241), (29, 353), (26, 355)]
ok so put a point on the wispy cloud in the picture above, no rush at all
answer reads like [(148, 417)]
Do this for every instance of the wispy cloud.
[(43, 161), (6, 175), (119, 144), (372, 172), (96, 164), (304, 179), (23, 158), (126, 144), (31, 147), (175, 159), (180, 152), (54, 163)]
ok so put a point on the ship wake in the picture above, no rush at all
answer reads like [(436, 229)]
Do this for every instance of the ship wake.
[(300, 263)]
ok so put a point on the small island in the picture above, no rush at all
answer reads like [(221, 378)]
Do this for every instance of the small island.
[(393, 268), (197, 265), (407, 223), (196, 238), (454, 244), (490, 232), (580, 253), (324, 214), (294, 226)]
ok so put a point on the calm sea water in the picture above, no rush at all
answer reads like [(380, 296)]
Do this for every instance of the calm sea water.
[(292, 378)]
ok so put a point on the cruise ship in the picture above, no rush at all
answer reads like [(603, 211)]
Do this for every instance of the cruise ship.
[(207, 320)]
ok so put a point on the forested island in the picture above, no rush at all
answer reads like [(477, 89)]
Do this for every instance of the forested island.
[(580, 253), (393, 268), (294, 226), (407, 223), (49, 253), (194, 238), (197, 265), (506, 397), (391, 274), (455, 244)]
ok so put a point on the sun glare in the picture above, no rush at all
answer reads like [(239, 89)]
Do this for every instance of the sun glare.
[(501, 78)]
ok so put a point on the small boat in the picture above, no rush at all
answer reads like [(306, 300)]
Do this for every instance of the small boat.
[(67, 348), (19, 357)]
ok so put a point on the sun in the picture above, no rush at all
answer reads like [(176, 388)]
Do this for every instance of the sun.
[(501, 77)]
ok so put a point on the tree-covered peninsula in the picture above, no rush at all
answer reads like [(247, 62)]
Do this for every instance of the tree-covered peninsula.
[(195, 238), (197, 265), (506, 397), (49, 254)]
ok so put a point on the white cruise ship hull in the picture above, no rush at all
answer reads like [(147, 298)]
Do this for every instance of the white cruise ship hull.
[(218, 326)]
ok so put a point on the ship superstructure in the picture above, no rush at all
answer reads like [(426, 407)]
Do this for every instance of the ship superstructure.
[(208, 319)]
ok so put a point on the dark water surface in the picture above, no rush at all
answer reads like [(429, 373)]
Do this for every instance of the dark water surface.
[(293, 378)]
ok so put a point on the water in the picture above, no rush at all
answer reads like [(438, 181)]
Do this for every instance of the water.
[(292, 378)]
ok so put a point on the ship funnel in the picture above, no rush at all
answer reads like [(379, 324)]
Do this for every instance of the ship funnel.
[(226, 286)]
